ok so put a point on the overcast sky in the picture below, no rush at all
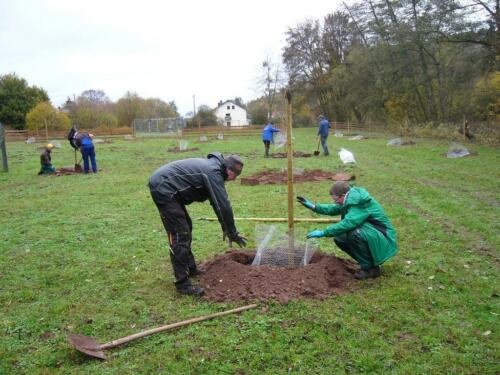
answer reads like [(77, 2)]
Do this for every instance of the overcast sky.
[(166, 49)]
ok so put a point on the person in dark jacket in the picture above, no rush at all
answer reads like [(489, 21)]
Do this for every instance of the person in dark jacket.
[(46, 161), (83, 141), (364, 232), (268, 137), (323, 131), (180, 183)]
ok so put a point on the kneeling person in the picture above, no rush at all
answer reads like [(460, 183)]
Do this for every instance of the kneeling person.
[(364, 232), (182, 182), (46, 161)]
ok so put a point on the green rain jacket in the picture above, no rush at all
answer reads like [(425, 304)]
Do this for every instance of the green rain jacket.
[(361, 210)]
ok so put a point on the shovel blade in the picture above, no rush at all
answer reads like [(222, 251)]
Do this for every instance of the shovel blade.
[(87, 345), (316, 153)]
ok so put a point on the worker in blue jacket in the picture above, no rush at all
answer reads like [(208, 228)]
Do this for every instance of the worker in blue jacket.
[(83, 142), (323, 131), (268, 137)]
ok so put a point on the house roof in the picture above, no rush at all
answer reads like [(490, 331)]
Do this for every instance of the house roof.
[(229, 101)]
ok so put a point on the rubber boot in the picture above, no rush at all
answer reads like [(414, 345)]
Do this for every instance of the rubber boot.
[(370, 273)]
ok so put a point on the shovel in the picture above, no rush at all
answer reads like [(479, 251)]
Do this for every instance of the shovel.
[(78, 165), (316, 153), (88, 345)]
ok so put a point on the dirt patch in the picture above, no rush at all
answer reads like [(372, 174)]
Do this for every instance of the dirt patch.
[(272, 177), (296, 154), (69, 170), (177, 149), (231, 277)]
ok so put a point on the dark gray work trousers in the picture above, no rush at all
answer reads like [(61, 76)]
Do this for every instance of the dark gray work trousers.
[(179, 227)]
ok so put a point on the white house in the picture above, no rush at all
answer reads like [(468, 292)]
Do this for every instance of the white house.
[(231, 114)]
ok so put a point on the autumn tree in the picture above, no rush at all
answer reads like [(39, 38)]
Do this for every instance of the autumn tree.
[(44, 117), (17, 98)]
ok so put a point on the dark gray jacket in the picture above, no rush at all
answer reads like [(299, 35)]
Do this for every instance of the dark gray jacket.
[(196, 180)]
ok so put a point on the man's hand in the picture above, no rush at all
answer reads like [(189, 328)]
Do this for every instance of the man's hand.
[(306, 203), (316, 234), (240, 240)]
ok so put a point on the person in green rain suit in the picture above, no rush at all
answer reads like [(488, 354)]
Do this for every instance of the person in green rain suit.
[(364, 232)]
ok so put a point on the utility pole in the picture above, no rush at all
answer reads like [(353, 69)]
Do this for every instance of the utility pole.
[(194, 109)]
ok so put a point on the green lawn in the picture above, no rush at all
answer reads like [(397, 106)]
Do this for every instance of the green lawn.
[(87, 254)]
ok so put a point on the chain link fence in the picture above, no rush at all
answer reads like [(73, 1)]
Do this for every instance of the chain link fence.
[(151, 127)]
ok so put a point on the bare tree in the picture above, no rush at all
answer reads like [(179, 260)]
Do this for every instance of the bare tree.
[(270, 81)]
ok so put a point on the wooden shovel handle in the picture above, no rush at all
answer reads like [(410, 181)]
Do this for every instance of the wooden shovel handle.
[(126, 339)]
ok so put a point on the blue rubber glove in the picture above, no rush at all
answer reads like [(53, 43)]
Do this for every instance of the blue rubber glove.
[(316, 234), (306, 203)]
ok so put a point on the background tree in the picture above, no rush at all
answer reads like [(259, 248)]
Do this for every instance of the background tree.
[(269, 83), (44, 117), (205, 116), (17, 98), (416, 61)]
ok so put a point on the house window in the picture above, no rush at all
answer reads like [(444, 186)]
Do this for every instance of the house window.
[(233, 106), (228, 107)]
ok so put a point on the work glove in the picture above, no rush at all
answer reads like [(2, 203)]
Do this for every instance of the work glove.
[(306, 203), (316, 234), (240, 240)]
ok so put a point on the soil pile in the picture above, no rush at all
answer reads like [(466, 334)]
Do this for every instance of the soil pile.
[(231, 277), (296, 154), (70, 170), (271, 177), (177, 149)]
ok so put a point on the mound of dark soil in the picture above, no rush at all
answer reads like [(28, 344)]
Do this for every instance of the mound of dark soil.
[(176, 149), (70, 170), (231, 277), (271, 177), (296, 154)]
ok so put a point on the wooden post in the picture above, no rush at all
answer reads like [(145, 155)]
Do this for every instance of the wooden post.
[(464, 128), (348, 127), (290, 169), (3, 148), (46, 131)]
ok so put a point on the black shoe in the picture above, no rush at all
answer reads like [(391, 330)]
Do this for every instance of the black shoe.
[(191, 290), (370, 273)]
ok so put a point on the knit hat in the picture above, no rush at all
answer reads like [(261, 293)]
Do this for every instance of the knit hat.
[(50, 146), (339, 188), (234, 163)]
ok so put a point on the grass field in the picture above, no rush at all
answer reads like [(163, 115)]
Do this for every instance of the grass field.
[(87, 254)]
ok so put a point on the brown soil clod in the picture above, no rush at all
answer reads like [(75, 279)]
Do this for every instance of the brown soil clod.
[(231, 277), (271, 177)]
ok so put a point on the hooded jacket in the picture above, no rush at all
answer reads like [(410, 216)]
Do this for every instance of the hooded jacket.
[(196, 180), (323, 128), (83, 140), (267, 133), (361, 210)]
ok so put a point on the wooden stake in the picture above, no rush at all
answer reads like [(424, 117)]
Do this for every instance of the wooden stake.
[(279, 219), (464, 125), (290, 168)]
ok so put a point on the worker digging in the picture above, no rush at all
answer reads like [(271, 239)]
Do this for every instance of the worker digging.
[(180, 183)]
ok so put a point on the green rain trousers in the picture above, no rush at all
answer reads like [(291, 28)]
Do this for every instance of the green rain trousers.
[(364, 232)]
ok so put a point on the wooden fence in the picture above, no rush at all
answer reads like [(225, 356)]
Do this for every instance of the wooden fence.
[(21, 135)]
